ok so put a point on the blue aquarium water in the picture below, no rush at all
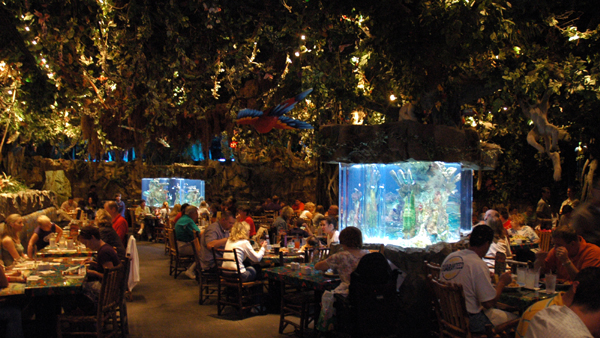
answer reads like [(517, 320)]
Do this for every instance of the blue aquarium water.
[(409, 204), (173, 190)]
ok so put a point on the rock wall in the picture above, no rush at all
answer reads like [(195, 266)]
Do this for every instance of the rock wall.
[(246, 180), (25, 202)]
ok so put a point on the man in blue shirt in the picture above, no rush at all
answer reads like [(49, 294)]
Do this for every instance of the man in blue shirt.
[(120, 205)]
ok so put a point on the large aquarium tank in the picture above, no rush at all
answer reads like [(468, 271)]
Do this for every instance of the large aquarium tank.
[(172, 190), (409, 204)]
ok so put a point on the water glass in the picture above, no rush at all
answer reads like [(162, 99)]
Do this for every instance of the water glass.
[(530, 279), (550, 283), (521, 273)]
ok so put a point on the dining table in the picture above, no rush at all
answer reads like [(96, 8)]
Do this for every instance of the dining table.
[(45, 289), (316, 280), (79, 251), (514, 245), (523, 298)]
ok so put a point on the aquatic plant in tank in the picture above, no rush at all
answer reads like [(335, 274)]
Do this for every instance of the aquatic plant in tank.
[(410, 204), (172, 190)]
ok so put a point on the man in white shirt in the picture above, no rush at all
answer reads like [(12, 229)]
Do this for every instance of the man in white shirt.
[(581, 319), (69, 205), (465, 267)]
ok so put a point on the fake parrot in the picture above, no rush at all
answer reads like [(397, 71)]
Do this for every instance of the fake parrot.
[(273, 117)]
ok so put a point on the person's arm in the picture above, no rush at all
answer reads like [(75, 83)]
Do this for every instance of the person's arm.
[(31, 245), (94, 273), (217, 243), (3, 278), (254, 255), (563, 257), (59, 233), (503, 281), (322, 265), (9, 245)]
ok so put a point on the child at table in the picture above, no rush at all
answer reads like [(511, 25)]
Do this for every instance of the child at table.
[(41, 235), (12, 249)]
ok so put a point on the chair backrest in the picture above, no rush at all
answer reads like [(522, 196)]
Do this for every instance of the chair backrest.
[(432, 269), (451, 308), (196, 248), (545, 240), (289, 258), (172, 242), (227, 274), (316, 254), (111, 293), (373, 296)]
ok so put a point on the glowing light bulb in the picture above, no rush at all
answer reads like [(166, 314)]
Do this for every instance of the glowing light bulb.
[(297, 53), (303, 37), (393, 97), (34, 42)]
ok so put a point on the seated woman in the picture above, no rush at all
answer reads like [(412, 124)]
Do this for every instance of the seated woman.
[(519, 229), (238, 239), (41, 235), (329, 227), (500, 243), (108, 234), (12, 249), (345, 262)]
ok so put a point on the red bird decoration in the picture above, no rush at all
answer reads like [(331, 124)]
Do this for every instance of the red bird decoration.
[(273, 117)]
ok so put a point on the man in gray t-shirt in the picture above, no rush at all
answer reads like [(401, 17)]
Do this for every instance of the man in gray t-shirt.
[(215, 235)]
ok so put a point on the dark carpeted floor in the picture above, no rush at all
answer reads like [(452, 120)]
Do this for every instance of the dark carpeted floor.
[(166, 307)]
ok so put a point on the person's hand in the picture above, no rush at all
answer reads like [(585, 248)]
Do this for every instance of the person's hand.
[(264, 244), (562, 255), (541, 255), (505, 278)]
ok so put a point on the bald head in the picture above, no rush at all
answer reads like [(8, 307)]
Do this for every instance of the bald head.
[(491, 213)]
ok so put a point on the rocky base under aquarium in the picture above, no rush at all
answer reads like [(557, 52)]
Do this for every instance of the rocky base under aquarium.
[(399, 141)]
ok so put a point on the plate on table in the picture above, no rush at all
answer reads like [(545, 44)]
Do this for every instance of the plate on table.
[(512, 288), (331, 274), (74, 276)]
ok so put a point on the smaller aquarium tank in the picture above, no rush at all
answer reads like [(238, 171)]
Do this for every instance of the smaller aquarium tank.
[(172, 190), (409, 204)]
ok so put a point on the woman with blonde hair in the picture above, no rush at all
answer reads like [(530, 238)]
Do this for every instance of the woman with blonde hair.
[(12, 249), (238, 239)]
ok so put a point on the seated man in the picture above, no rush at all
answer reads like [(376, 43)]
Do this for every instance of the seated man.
[(570, 254), (579, 319), (106, 258), (143, 217), (215, 235), (41, 235), (69, 205), (184, 234), (465, 267)]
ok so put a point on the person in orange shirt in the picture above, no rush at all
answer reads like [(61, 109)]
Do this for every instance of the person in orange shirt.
[(298, 206), (570, 254)]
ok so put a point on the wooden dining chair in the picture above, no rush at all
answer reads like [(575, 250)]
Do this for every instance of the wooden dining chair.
[(432, 269), (451, 310), (105, 318), (177, 263), (122, 317), (545, 240), (316, 254), (232, 291), (208, 280)]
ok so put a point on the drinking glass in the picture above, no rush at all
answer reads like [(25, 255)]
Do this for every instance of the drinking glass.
[(530, 279), (521, 273), (550, 283)]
